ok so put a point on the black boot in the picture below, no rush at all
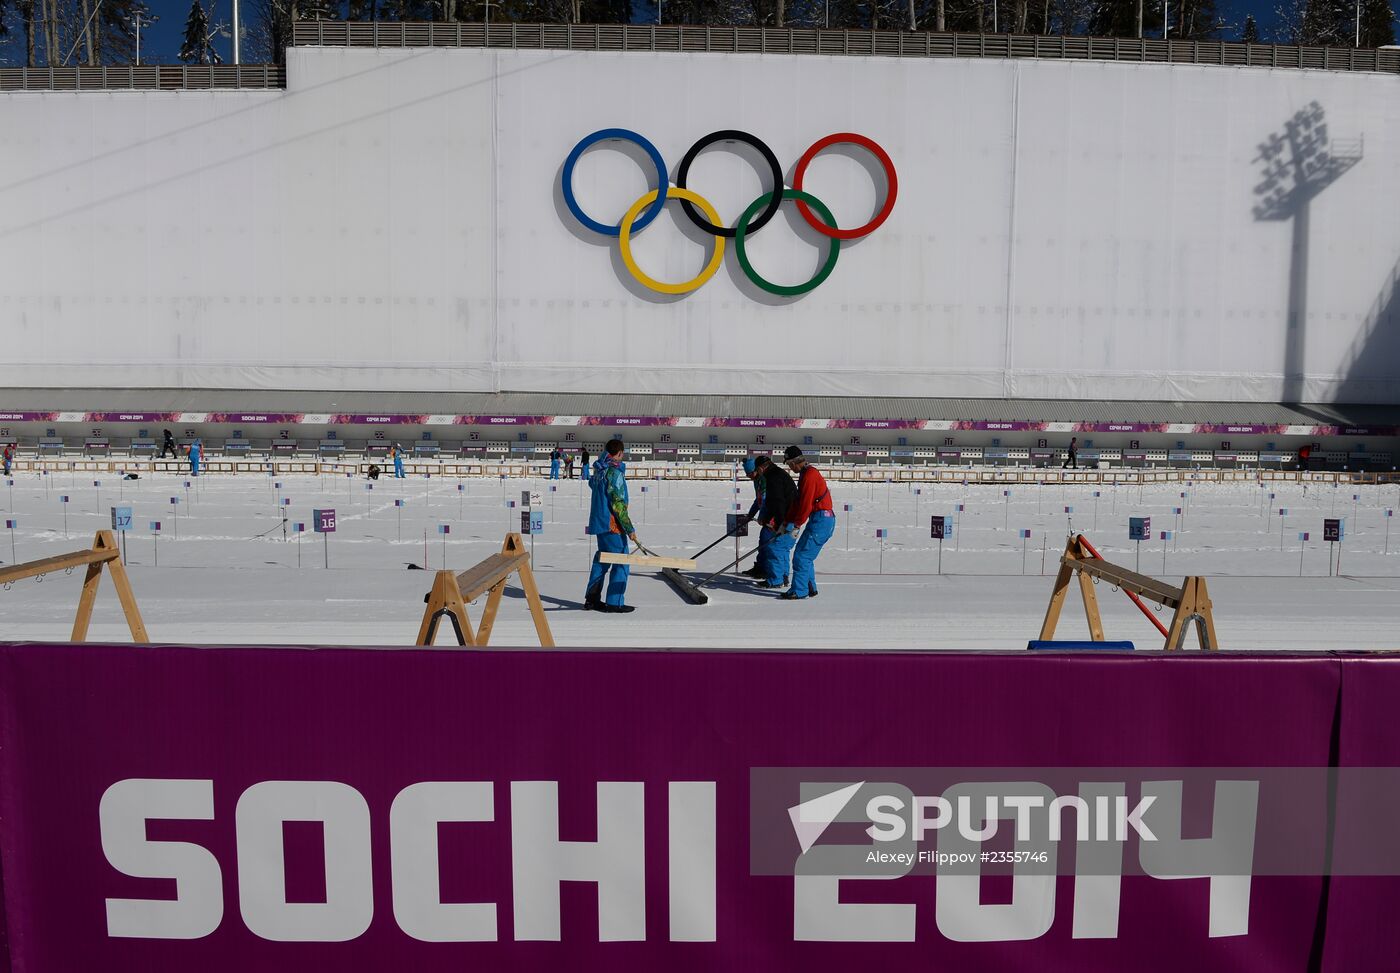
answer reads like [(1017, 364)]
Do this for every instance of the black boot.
[(593, 600), (616, 609)]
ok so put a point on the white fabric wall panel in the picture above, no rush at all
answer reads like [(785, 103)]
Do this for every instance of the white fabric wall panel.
[(394, 221)]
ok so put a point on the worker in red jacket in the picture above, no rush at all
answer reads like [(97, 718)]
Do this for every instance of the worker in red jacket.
[(812, 508)]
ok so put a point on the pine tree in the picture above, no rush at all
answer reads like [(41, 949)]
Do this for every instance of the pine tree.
[(1377, 23), (199, 42), (1114, 18), (1196, 20), (1329, 23), (1250, 34)]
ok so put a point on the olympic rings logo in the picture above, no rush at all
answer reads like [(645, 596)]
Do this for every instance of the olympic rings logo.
[(700, 211)]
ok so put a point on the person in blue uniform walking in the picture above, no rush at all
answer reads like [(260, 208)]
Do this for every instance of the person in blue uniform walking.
[(396, 454), (554, 465), (610, 524), (196, 454)]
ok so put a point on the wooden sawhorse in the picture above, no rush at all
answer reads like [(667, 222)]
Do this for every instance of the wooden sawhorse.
[(451, 592), (1191, 601), (103, 553)]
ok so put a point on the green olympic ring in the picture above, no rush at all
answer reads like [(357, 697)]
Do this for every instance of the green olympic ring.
[(785, 290)]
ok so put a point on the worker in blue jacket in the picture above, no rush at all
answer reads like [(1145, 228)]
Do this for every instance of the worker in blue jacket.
[(608, 521), (196, 454)]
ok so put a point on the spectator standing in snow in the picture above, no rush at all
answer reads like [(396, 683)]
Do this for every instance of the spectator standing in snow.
[(554, 458), (1073, 461)]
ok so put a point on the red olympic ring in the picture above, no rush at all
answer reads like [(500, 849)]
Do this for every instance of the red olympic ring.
[(891, 181)]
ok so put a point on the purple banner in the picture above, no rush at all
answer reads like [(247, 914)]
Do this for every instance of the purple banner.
[(1121, 426), (1245, 429), (28, 416), (1361, 908), (271, 809), (730, 422), (876, 424), (986, 426), (280, 418), (627, 421), (362, 419), (132, 416), (503, 420)]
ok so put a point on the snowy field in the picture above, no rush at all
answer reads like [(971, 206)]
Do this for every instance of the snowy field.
[(226, 574)]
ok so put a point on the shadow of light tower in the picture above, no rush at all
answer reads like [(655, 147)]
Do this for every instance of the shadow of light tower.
[(1298, 163)]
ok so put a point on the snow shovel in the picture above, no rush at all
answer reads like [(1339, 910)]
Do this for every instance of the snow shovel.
[(684, 587)]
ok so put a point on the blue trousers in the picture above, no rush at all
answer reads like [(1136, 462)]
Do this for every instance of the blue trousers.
[(194, 464), (764, 556), (617, 583), (554, 470), (779, 554), (804, 560), (398, 468)]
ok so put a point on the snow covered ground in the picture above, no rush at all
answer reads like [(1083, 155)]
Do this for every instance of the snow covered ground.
[(226, 574)]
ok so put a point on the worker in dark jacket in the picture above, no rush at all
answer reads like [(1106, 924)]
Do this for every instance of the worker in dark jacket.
[(759, 569), (609, 522), (812, 508), (779, 492)]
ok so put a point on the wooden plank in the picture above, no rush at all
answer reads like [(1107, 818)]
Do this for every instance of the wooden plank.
[(128, 599), (1091, 607), (1140, 584), (488, 614), (1206, 626), (481, 578), (1057, 596), (648, 561), (85, 602), (532, 598), (58, 562)]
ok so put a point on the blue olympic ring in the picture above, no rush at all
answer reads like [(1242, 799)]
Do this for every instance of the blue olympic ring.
[(625, 135)]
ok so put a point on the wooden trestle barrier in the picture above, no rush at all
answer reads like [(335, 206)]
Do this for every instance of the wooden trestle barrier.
[(104, 553), (451, 592), (1191, 601)]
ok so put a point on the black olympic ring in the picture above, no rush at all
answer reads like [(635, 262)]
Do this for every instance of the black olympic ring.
[(732, 135)]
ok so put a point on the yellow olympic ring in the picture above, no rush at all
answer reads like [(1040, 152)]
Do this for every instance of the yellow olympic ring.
[(624, 242)]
